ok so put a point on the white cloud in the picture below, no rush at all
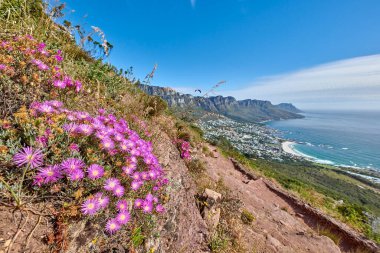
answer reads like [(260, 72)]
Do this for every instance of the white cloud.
[(193, 3), (346, 84)]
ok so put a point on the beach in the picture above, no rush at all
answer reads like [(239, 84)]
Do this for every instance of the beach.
[(287, 147)]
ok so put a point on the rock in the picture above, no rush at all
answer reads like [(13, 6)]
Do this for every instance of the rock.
[(212, 217), (7, 243), (215, 154), (181, 227), (164, 159), (212, 195), (274, 242)]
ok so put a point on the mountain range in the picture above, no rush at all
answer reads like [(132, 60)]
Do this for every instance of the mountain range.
[(250, 110)]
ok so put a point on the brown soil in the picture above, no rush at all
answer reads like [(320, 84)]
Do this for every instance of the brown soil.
[(23, 231), (283, 223)]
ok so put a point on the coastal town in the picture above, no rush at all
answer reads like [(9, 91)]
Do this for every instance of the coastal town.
[(248, 138)]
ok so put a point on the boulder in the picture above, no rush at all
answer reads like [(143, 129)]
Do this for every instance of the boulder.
[(211, 195)]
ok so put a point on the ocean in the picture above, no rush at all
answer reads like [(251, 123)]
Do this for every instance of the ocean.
[(339, 138)]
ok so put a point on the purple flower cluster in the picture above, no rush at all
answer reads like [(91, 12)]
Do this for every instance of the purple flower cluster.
[(67, 82), (115, 139), (184, 148), (31, 51), (40, 64)]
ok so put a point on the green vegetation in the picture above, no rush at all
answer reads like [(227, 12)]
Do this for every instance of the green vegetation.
[(247, 217), (218, 242), (137, 237), (327, 232), (196, 166)]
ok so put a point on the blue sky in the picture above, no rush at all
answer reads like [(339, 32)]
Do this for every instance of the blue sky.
[(197, 43)]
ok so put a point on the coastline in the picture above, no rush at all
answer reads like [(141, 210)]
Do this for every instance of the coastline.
[(287, 147)]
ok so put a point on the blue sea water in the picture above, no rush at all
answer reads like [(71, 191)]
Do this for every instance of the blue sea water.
[(335, 137)]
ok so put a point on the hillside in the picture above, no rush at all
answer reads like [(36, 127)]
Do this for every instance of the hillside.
[(90, 163), (250, 110), (288, 107)]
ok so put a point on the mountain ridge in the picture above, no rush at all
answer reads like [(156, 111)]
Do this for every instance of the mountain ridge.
[(251, 110)]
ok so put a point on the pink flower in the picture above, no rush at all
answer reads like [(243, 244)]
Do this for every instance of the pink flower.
[(102, 200), (78, 86), (108, 144), (50, 174), (123, 218), (122, 205), (95, 171), (28, 156), (147, 207), (72, 164), (59, 84), (70, 128), (74, 147), (82, 115), (45, 108), (41, 46), (76, 175), (85, 129), (138, 203), (112, 226), (136, 176), (119, 191), (111, 184), (135, 185), (90, 207), (144, 175), (160, 209), (55, 103), (42, 141), (128, 169), (58, 57), (68, 81), (38, 180), (149, 197)]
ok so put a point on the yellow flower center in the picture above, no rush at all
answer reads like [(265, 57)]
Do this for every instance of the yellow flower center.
[(95, 173), (91, 206), (50, 173), (29, 157), (113, 225)]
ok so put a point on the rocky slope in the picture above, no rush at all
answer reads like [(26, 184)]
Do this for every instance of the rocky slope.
[(245, 110), (282, 222)]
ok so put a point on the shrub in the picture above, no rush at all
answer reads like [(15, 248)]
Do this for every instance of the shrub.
[(196, 166), (154, 105), (247, 217)]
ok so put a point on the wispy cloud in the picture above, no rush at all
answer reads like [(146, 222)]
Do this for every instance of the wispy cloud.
[(351, 83), (193, 3)]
